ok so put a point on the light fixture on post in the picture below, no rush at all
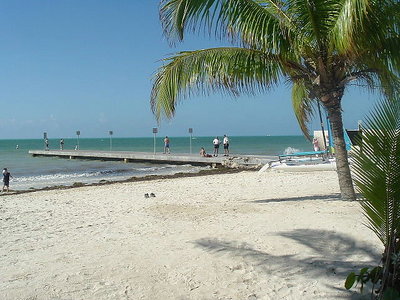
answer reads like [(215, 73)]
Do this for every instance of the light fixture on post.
[(110, 133), (78, 133), (155, 131), (46, 142), (190, 143)]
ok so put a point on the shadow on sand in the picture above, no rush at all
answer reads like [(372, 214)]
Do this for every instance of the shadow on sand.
[(328, 255), (329, 197)]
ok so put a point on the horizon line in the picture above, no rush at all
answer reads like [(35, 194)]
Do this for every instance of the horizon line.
[(158, 136)]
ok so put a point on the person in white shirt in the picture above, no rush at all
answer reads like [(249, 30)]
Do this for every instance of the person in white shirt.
[(226, 146), (315, 144), (216, 143)]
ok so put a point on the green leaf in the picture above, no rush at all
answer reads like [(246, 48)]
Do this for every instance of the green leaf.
[(376, 274), (363, 271), (228, 69), (377, 170), (302, 107), (350, 280)]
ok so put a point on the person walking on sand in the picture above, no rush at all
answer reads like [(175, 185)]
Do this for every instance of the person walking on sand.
[(216, 143), (62, 144), (226, 145), (166, 145), (6, 180)]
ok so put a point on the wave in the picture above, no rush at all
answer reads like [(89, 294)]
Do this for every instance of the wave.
[(50, 177), (290, 150), (97, 175)]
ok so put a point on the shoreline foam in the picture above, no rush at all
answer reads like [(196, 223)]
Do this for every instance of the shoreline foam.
[(214, 171)]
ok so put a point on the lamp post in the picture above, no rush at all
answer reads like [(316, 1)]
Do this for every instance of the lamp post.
[(155, 130), (190, 142), (78, 133), (46, 143), (110, 133)]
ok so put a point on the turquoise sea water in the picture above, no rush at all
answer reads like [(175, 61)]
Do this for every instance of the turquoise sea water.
[(36, 172)]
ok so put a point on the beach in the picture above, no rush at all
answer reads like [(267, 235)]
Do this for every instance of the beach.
[(244, 235)]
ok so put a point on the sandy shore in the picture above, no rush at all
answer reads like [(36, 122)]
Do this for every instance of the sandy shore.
[(228, 236)]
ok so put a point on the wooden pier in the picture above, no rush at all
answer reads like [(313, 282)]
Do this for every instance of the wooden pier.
[(148, 157)]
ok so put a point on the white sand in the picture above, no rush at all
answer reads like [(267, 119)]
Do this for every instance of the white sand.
[(232, 236)]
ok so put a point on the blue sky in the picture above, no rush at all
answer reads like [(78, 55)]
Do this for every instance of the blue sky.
[(70, 65)]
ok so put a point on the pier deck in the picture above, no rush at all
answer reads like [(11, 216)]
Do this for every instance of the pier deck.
[(148, 157)]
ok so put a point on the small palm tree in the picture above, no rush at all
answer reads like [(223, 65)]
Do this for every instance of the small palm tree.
[(377, 178), (320, 46)]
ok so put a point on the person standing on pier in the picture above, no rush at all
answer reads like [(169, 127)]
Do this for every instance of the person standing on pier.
[(226, 145), (46, 142), (62, 144), (166, 145), (216, 143)]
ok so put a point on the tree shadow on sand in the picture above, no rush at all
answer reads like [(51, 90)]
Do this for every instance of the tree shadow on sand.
[(327, 254), (328, 197)]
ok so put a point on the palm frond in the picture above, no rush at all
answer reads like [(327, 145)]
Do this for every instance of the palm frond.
[(259, 26), (377, 170), (378, 73), (315, 18), (230, 70), (349, 16), (365, 25), (302, 107)]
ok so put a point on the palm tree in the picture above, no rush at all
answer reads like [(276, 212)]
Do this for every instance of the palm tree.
[(377, 178), (319, 46)]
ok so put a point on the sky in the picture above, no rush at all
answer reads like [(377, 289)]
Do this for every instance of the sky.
[(71, 65)]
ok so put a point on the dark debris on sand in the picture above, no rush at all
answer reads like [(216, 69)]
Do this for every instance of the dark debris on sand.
[(213, 171)]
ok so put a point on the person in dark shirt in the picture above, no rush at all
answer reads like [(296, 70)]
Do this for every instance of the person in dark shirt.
[(166, 145), (6, 180)]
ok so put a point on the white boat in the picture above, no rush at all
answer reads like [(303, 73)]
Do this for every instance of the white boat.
[(301, 165)]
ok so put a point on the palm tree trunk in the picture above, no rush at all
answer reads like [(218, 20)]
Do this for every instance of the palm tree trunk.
[(342, 164)]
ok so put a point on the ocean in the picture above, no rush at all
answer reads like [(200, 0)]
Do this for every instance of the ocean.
[(38, 172)]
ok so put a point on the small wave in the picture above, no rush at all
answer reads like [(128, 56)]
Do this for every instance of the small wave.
[(151, 169), (163, 168), (55, 177), (90, 176), (290, 150)]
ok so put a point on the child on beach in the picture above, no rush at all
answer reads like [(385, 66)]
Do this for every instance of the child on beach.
[(6, 180)]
